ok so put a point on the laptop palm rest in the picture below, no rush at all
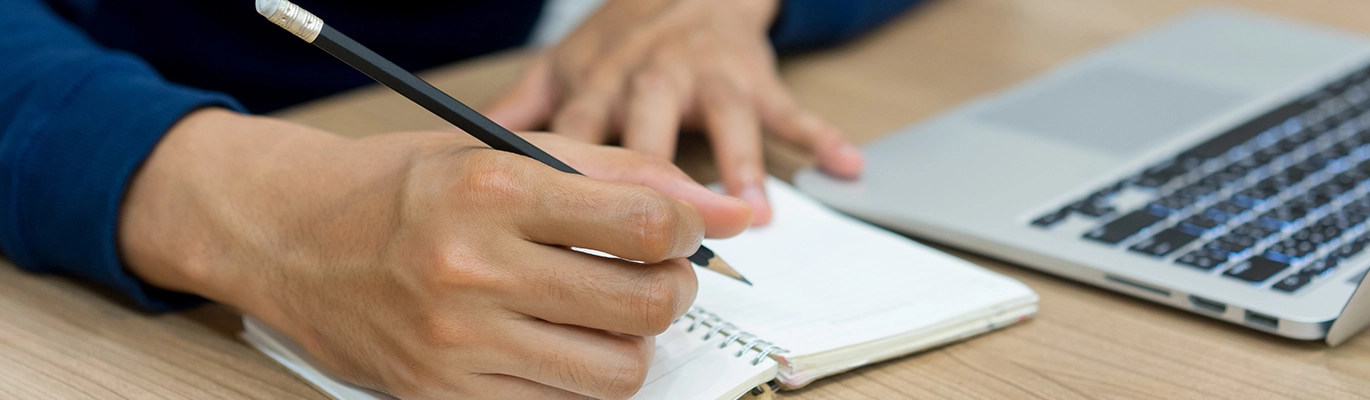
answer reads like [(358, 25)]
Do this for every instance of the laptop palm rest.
[(1113, 109)]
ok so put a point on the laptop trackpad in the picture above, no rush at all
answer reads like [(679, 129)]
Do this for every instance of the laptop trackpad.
[(1113, 109)]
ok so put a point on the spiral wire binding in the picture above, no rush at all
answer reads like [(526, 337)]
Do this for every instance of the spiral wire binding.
[(717, 326)]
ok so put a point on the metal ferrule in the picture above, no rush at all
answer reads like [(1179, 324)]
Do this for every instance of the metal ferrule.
[(298, 21)]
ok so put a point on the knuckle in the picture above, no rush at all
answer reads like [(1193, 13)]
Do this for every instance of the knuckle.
[(654, 221), (603, 74), (649, 80), (666, 55), (493, 178), (445, 269), (629, 371), (654, 302)]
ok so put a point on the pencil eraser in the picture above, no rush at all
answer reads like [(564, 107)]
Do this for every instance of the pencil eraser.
[(268, 7)]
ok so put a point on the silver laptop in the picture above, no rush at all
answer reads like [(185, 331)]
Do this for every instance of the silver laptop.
[(1219, 163)]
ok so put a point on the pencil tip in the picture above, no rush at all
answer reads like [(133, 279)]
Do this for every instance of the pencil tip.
[(717, 264)]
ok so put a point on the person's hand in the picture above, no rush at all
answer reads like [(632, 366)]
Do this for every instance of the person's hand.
[(426, 265), (641, 69)]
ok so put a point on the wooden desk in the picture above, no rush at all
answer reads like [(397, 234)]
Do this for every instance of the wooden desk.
[(59, 339)]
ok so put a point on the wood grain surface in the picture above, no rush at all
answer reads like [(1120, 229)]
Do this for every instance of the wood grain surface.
[(65, 339)]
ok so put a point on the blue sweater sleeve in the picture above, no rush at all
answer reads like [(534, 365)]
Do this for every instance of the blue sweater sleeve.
[(809, 24), (76, 121)]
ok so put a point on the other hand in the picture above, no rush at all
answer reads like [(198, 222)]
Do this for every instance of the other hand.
[(642, 69)]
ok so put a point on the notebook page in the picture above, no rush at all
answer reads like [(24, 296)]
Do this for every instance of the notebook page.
[(684, 367), (824, 281)]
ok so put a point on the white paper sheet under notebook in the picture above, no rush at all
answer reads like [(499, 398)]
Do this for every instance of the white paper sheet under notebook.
[(832, 291)]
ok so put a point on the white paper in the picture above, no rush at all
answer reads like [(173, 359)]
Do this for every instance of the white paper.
[(824, 281)]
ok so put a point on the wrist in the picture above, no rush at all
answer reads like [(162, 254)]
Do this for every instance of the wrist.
[(178, 218)]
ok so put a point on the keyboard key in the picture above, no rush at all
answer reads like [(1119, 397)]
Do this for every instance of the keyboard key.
[(1159, 175), (1241, 167), (1292, 282), (1109, 190), (1255, 230), (1269, 223), (1351, 249), (1311, 164), (1320, 267), (1293, 248), (1337, 220), (1287, 145), (1203, 259), (1335, 153), (1229, 208), (1233, 243), (1158, 210), (1123, 227), (1198, 189), (1093, 208), (1331, 189), (1047, 221), (1197, 225), (1266, 155), (1256, 195), (1257, 269), (1221, 178), (1163, 243), (1220, 144), (1325, 234), (1177, 201), (1284, 215), (1348, 179), (1309, 201)]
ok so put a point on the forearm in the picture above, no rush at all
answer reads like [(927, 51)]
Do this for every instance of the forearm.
[(808, 24), (75, 121)]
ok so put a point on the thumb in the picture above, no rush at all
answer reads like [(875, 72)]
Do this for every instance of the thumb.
[(531, 103)]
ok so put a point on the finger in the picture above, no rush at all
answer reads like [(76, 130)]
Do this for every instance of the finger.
[(832, 151), (724, 216), (531, 102), (585, 117), (653, 122), (590, 362), (496, 386), (735, 134), (573, 288), (629, 221)]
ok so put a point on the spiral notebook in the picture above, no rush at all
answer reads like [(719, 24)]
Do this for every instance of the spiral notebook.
[(832, 293)]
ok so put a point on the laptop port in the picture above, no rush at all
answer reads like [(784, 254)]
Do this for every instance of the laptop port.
[(1262, 320), (1207, 305), (1137, 285)]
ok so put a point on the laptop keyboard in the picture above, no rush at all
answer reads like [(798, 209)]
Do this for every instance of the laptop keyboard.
[(1277, 202)]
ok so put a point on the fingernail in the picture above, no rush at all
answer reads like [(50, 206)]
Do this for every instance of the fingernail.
[(846, 162), (848, 151), (761, 209)]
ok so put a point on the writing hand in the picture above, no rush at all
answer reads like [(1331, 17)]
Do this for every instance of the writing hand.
[(424, 264)]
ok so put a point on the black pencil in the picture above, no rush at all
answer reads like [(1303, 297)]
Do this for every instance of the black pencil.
[(309, 27)]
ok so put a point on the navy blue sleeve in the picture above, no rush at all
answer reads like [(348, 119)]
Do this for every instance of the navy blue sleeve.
[(809, 24), (76, 121)]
